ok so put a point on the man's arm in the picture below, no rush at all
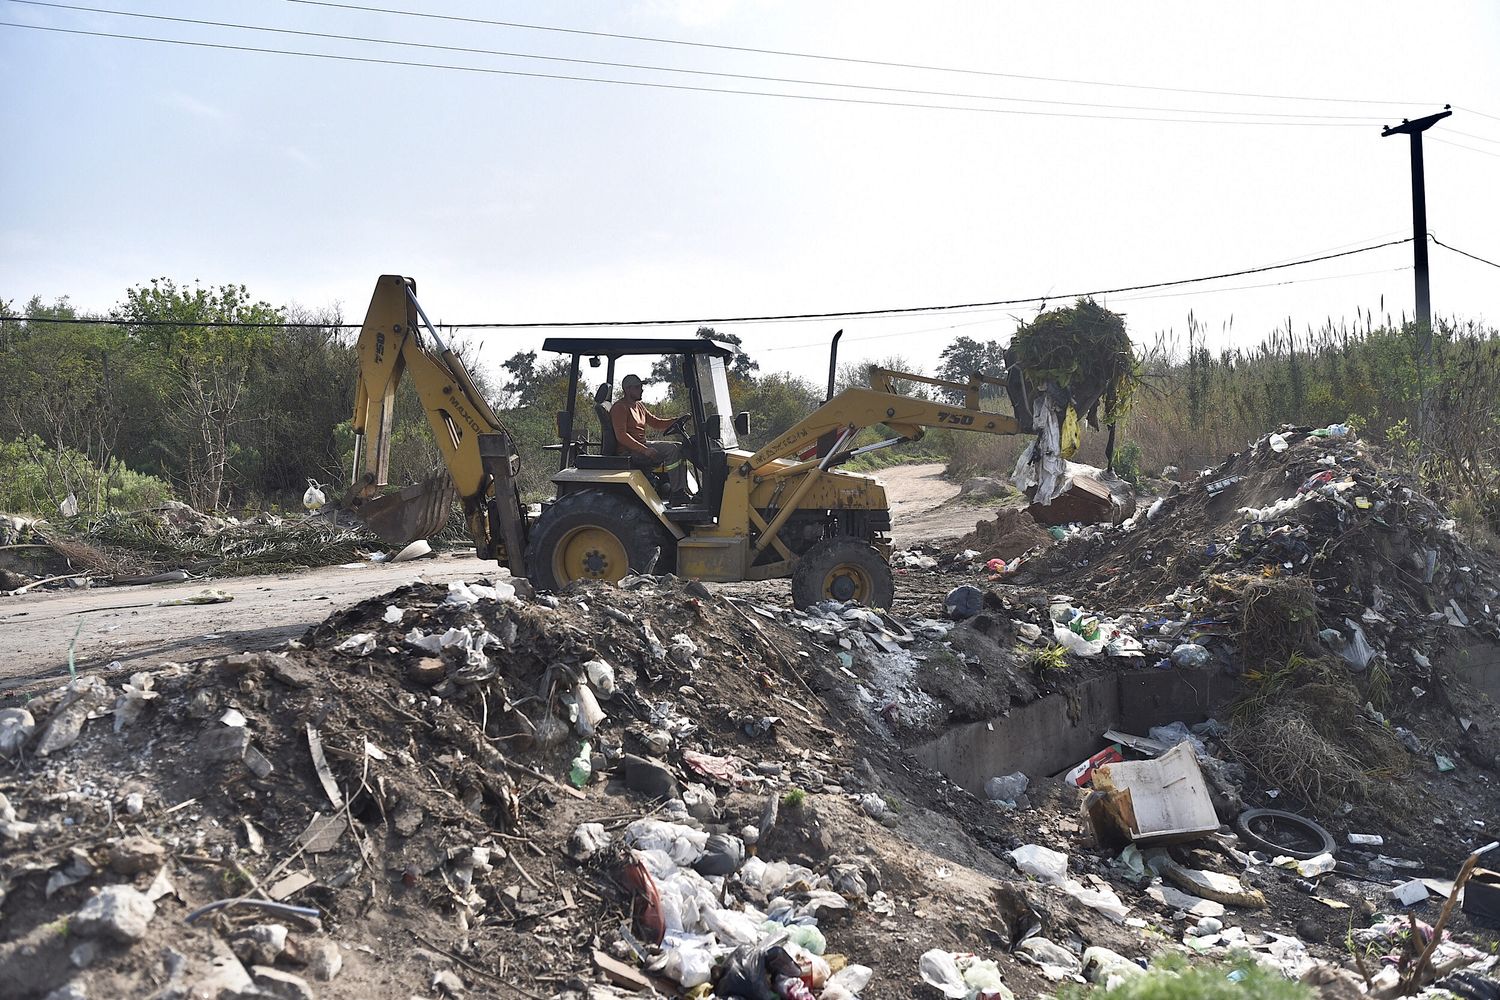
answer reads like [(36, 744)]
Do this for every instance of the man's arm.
[(619, 416), (658, 423)]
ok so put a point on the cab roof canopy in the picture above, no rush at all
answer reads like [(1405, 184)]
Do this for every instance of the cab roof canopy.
[(611, 347)]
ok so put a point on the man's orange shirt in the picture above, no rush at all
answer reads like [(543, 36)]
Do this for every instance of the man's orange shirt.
[(630, 421)]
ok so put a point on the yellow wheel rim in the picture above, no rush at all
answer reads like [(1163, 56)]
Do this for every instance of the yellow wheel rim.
[(590, 553), (848, 582)]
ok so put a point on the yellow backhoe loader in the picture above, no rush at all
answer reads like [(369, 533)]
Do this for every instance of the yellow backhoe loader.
[(786, 510)]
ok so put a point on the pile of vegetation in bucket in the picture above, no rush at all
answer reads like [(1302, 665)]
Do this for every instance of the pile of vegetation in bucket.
[(1083, 352)]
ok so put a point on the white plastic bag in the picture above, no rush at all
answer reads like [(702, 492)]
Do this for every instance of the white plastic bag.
[(732, 926), (1042, 863), (684, 844), (1075, 643), (686, 959), (939, 969), (589, 712), (421, 640), (852, 977), (463, 594), (1101, 898), (359, 644)]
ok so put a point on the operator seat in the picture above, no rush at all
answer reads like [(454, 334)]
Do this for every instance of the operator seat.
[(609, 456), (607, 443)]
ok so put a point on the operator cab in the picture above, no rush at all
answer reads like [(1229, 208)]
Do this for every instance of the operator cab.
[(714, 426)]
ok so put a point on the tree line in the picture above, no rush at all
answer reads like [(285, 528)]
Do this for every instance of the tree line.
[(142, 404)]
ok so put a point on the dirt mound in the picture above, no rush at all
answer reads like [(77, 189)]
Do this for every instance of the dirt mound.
[(1007, 535), (390, 779)]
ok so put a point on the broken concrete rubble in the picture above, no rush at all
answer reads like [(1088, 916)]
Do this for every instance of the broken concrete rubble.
[(118, 912)]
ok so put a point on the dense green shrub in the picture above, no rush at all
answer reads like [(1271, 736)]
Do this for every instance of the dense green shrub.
[(36, 479)]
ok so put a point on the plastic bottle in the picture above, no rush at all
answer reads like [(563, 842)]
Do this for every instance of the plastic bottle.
[(583, 767)]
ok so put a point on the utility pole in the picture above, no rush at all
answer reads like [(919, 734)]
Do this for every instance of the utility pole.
[(1419, 213)]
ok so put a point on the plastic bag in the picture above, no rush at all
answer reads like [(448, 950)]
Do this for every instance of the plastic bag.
[(589, 712), (587, 840), (1174, 733), (359, 644), (983, 977), (686, 959), (1101, 898), (732, 927), (682, 843), (1042, 863), (421, 640), (939, 969), (463, 594), (1357, 650), (1007, 787), (1190, 656), (852, 977), (1075, 643)]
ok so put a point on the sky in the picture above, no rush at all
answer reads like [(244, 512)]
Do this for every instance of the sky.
[(514, 198)]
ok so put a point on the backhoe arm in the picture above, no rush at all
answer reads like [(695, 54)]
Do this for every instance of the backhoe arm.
[(858, 407), (476, 448)]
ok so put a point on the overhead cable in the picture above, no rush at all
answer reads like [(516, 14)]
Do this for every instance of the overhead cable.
[(1131, 298), (825, 57), (1463, 252), (653, 85), (1460, 145), (789, 317), (647, 67)]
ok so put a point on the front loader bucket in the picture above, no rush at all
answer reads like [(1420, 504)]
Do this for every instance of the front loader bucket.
[(413, 512)]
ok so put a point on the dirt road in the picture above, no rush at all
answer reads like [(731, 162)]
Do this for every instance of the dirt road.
[(123, 624), (36, 630), (921, 508)]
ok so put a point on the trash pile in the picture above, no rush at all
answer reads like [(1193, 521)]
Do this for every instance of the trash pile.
[(1338, 594), (466, 773)]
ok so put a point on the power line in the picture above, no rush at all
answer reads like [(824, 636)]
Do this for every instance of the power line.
[(824, 57), (1470, 135), (1463, 252), (846, 314), (491, 71), (648, 67), (1459, 145), (1481, 114), (1132, 298)]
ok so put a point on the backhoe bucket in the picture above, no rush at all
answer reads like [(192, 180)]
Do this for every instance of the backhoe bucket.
[(413, 512)]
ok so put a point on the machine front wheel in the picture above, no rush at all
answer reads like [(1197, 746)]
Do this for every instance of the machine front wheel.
[(843, 569), (593, 535)]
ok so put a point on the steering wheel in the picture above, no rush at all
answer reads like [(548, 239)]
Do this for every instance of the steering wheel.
[(679, 426)]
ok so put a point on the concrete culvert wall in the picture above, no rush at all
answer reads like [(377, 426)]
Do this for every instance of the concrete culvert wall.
[(1053, 733)]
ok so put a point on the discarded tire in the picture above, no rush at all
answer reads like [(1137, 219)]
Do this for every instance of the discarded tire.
[(1281, 832)]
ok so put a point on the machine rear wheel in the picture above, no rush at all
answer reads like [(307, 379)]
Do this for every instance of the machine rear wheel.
[(843, 569), (595, 535)]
